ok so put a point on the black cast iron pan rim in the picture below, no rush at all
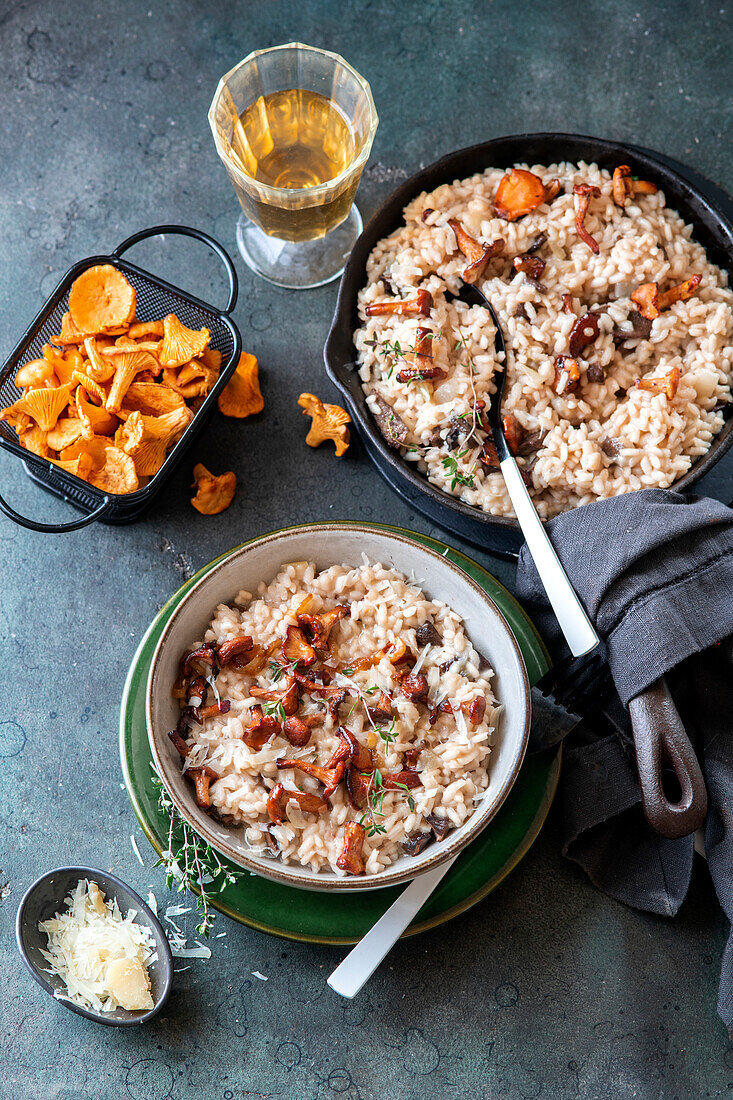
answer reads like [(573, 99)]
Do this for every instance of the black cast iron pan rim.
[(339, 353)]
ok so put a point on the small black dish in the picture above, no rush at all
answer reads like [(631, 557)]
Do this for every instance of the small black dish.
[(701, 203), (47, 896)]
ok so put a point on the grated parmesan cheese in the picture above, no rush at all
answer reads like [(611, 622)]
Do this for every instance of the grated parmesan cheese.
[(419, 662), (136, 850), (461, 725), (101, 956)]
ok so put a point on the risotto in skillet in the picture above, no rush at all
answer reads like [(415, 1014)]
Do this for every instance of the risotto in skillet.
[(619, 335)]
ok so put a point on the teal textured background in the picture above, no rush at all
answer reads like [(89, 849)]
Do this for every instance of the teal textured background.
[(545, 990)]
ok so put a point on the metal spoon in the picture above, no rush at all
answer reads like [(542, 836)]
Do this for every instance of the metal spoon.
[(574, 623), (659, 735), (361, 962)]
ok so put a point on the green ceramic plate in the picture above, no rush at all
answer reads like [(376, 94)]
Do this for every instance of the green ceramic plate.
[(317, 917)]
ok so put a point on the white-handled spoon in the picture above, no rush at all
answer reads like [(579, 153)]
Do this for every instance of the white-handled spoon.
[(361, 962), (579, 632)]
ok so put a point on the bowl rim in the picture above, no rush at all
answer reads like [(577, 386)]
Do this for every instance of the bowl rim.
[(399, 474), (275, 870), (150, 919)]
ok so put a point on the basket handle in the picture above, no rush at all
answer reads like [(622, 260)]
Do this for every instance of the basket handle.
[(56, 528), (199, 235)]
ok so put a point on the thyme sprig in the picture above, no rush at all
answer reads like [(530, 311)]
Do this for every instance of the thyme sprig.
[(388, 351), (387, 733), (191, 864), (276, 671), (276, 709), (458, 475), (472, 434), (375, 804)]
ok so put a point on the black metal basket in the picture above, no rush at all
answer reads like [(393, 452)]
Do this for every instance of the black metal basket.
[(155, 299)]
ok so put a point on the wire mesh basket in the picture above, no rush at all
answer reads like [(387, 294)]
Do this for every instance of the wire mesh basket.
[(155, 299)]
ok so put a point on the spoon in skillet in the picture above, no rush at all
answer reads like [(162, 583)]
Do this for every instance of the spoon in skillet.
[(575, 624), (659, 735)]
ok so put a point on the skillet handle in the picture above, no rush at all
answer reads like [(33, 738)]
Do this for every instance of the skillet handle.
[(197, 234), (56, 528), (660, 736)]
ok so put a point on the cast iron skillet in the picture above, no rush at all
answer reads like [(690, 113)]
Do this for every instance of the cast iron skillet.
[(699, 202)]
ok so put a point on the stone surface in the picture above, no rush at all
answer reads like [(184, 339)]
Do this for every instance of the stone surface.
[(546, 989)]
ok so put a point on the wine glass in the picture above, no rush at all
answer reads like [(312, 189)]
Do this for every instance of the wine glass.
[(294, 126)]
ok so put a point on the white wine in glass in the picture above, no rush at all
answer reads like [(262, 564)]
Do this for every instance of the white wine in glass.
[(294, 126)]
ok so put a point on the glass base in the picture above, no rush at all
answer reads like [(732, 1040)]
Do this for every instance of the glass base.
[(298, 265)]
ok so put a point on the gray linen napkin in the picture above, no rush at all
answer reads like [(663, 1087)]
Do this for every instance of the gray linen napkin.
[(654, 570)]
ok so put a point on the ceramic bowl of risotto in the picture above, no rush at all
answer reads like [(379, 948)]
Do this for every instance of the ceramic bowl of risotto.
[(607, 266), (336, 707)]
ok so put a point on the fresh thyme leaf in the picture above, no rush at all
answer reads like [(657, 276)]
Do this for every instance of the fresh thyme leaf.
[(275, 708), (459, 477), (276, 671), (388, 733), (410, 799), (372, 827)]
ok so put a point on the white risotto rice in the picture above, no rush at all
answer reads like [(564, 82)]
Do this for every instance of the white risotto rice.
[(607, 437), (450, 748)]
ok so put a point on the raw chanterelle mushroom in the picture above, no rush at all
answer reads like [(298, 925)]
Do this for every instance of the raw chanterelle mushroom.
[(242, 395), (213, 494), (329, 422)]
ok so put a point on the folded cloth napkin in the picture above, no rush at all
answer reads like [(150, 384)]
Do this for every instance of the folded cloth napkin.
[(654, 570)]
